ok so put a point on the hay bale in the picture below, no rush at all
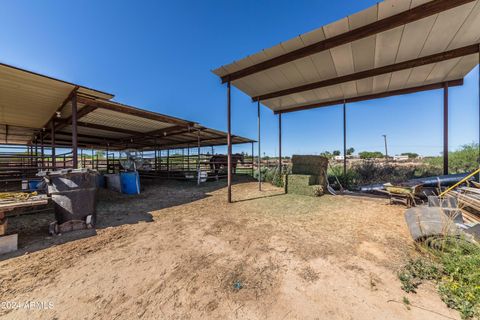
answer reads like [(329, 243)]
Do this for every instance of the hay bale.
[(303, 184), (302, 179), (310, 165), (312, 191)]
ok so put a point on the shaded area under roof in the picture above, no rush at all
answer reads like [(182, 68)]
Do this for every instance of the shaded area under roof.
[(30, 102), (393, 47)]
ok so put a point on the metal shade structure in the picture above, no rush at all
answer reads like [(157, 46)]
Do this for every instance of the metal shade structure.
[(336, 63), (392, 48), (37, 109)]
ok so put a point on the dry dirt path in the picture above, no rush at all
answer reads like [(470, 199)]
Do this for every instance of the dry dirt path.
[(267, 256)]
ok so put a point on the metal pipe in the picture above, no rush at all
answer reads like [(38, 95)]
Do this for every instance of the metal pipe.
[(74, 131), (108, 169), (280, 143), (229, 142), (168, 163), (156, 161), (259, 149), (36, 152), (198, 157), (445, 129), (52, 140), (253, 162), (386, 147), (42, 150), (344, 139)]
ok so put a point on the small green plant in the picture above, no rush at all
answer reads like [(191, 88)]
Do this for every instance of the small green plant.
[(406, 302), (454, 264), (271, 175), (415, 272)]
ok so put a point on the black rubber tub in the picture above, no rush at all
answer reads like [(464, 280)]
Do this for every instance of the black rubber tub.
[(74, 194)]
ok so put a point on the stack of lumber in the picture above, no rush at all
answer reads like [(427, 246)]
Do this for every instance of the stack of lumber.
[(468, 200), (6, 197)]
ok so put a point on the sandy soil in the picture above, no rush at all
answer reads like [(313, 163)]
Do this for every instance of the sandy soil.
[(178, 251)]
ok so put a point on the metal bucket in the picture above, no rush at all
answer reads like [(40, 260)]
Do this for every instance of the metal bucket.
[(73, 193)]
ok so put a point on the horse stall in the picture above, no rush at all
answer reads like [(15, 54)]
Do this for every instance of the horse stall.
[(193, 163)]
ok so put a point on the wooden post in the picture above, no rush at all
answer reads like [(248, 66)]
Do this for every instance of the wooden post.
[(445, 129), (344, 139), (259, 149), (280, 143), (74, 131), (53, 144), (229, 143)]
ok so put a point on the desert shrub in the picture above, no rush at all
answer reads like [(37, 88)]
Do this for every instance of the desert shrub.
[(462, 160), (454, 264), (370, 171), (273, 175)]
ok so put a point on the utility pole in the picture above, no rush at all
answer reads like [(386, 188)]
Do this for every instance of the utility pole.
[(386, 149)]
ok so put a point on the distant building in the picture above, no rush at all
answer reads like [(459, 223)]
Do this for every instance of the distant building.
[(400, 158), (338, 158)]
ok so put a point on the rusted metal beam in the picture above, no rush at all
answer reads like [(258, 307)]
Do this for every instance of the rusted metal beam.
[(259, 149), (280, 143), (80, 114), (428, 87), (107, 128), (445, 129), (420, 12), (344, 139), (74, 132), (160, 133), (229, 142), (64, 103), (52, 142), (439, 57)]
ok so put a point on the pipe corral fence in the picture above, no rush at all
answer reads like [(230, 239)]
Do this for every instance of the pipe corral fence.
[(19, 163)]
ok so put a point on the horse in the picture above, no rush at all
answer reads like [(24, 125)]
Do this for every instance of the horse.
[(218, 161)]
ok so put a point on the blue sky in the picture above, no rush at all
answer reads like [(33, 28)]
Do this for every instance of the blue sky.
[(158, 55)]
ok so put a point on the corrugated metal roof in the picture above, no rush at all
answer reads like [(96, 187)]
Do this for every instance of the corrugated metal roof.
[(451, 29), (28, 101)]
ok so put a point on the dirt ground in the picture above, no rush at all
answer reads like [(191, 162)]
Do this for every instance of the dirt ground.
[(179, 251)]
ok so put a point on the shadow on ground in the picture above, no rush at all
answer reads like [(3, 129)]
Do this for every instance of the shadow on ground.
[(113, 209)]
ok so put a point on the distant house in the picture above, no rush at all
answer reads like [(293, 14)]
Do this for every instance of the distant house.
[(338, 158), (400, 158)]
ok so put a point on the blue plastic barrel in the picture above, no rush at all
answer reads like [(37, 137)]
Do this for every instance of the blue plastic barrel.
[(33, 184), (100, 181), (130, 182)]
